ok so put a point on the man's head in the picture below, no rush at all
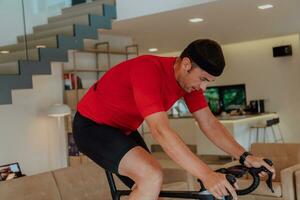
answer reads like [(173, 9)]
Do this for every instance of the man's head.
[(200, 63)]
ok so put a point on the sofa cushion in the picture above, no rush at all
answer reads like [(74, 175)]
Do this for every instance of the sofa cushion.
[(83, 182), (36, 187), (262, 189)]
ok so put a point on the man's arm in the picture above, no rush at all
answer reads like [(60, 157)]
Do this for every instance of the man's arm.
[(174, 146), (217, 133), (221, 137)]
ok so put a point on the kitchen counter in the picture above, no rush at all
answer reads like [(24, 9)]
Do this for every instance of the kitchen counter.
[(238, 126), (223, 118)]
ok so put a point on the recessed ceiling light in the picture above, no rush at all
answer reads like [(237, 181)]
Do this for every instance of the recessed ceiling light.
[(40, 46), (266, 6), (195, 20), (4, 52), (153, 49)]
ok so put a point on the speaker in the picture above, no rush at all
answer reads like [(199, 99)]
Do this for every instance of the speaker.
[(257, 106), (285, 50)]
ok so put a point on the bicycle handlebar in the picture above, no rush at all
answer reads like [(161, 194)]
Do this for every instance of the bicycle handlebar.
[(240, 170), (231, 174)]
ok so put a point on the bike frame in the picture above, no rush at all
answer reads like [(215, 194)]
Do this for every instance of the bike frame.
[(116, 194)]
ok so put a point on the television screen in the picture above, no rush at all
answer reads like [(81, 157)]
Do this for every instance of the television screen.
[(233, 98), (212, 96), (226, 98)]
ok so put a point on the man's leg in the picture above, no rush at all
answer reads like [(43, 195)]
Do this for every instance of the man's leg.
[(144, 169), (111, 149)]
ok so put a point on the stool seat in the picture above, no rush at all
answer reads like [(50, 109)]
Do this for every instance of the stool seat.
[(260, 126), (268, 124)]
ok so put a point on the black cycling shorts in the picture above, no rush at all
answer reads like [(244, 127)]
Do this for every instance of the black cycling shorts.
[(105, 145)]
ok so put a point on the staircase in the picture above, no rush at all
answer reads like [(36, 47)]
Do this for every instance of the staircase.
[(50, 43)]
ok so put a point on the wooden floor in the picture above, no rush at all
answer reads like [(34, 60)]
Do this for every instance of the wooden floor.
[(208, 159), (215, 159)]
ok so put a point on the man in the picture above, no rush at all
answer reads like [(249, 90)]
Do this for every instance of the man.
[(145, 88)]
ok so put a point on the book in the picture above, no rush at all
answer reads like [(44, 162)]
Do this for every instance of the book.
[(72, 81), (72, 147)]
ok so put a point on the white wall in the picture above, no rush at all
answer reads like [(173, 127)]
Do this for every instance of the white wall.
[(36, 13), (266, 77), (12, 10), (127, 9), (27, 133), (274, 79)]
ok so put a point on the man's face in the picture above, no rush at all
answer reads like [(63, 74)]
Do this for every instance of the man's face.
[(193, 77)]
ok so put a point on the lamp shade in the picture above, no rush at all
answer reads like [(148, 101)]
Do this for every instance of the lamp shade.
[(59, 110)]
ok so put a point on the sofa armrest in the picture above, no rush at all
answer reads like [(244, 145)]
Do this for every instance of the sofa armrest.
[(297, 178), (287, 181)]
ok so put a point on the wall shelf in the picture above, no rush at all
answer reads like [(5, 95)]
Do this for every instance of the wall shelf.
[(84, 70), (106, 52)]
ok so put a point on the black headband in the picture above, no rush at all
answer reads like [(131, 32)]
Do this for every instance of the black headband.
[(208, 55)]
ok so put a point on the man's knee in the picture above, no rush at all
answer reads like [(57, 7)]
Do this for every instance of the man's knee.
[(153, 177), (156, 175), (142, 167)]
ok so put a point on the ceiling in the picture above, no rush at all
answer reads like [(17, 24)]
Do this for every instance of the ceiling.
[(227, 21)]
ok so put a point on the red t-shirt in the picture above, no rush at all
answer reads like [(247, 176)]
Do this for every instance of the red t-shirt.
[(134, 89)]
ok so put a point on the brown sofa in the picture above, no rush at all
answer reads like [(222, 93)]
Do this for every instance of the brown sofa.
[(86, 181), (81, 182), (286, 159)]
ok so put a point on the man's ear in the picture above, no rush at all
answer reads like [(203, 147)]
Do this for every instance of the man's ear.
[(187, 64)]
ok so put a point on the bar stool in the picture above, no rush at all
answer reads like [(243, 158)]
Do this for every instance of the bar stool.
[(276, 123), (269, 124)]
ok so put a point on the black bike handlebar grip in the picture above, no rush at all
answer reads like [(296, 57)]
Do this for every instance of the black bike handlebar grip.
[(270, 175), (269, 162), (202, 188), (222, 170), (231, 179), (253, 186), (269, 182), (239, 170)]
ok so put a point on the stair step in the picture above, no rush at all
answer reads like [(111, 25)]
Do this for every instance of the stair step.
[(74, 24), (86, 6), (19, 55), (47, 42), (96, 8), (82, 30), (9, 68), (66, 30), (18, 52), (13, 81), (82, 19)]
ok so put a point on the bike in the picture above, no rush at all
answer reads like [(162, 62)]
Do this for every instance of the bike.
[(231, 173)]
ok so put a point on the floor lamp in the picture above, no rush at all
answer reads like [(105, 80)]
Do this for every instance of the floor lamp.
[(59, 111)]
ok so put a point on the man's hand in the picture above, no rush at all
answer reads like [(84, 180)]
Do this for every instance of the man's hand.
[(217, 184), (253, 161)]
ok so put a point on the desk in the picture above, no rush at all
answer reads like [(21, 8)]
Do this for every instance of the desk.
[(187, 128)]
